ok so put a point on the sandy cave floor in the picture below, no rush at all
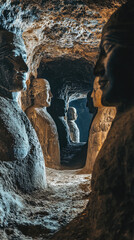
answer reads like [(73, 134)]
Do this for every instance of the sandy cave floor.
[(44, 213)]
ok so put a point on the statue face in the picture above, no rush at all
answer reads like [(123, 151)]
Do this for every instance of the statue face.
[(42, 92), (96, 93), (46, 96), (72, 113), (115, 71), (13, 67)]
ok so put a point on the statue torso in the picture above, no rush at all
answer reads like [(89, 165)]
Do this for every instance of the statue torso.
[(47, 133), (20, 146)]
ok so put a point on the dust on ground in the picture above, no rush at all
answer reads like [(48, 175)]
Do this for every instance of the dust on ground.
[(45, 212)]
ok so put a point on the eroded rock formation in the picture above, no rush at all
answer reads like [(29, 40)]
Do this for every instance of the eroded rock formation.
[(43, 123)]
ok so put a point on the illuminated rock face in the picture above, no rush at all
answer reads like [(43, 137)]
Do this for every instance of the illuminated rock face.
[(73, 128), (21, 159), (58, 28), (43, 123), (99, 128)]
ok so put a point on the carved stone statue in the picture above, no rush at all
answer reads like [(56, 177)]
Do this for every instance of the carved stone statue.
[(43, 123), (111, 214), (58, 112), (21, 158), (74, 130), (99, 128)]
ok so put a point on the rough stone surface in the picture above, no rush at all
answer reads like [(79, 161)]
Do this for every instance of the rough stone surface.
[(47, 134), (115, 159), (40, 214), (97, 135), (21, 155), (100, 127), (58, 29)]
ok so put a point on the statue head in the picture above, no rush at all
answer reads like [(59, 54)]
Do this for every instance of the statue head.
[(41, 92), (71, 113), (115, 66), (12, 62), (97, 94)]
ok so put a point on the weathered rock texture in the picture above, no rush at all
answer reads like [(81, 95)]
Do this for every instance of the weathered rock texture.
[(43, 123), (114, 168), (42, 213), (22, 166), (21, 161), (57, 30), (21, 153)]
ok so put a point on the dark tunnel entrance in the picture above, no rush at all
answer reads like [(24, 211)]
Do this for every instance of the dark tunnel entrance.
[(69, 77)]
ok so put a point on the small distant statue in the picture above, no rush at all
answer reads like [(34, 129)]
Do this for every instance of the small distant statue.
[(20, 151), (43, 123), (73, 128)]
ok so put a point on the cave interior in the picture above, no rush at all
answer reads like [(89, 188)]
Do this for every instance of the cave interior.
[(62, 44)]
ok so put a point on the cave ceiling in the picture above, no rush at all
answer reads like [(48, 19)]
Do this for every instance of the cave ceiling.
[(58, 29)]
